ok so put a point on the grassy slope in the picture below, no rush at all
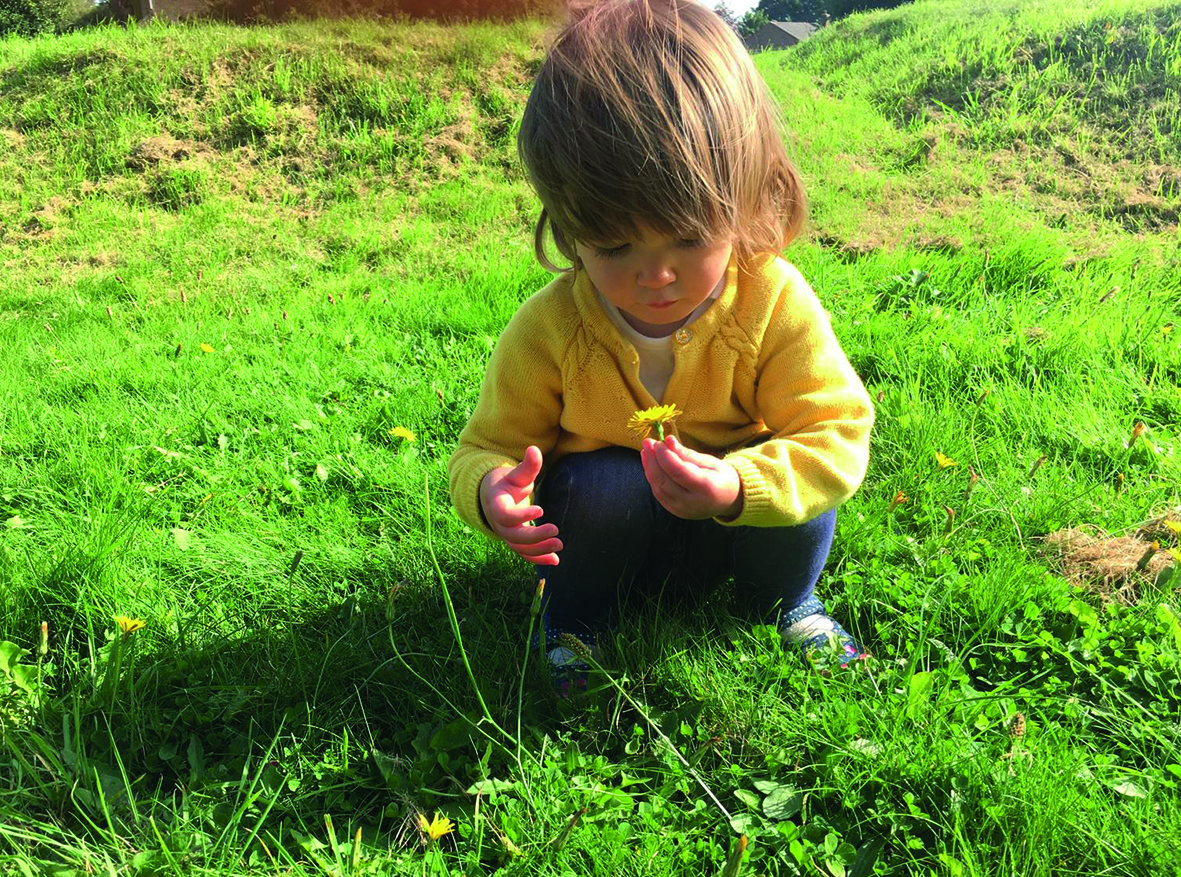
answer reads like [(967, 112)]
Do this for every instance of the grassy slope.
[(333, 209)]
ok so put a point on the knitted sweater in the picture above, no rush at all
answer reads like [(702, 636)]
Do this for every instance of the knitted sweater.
[(760, 376)]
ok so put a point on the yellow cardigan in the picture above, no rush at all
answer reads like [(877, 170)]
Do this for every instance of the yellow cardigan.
[(760, 376)]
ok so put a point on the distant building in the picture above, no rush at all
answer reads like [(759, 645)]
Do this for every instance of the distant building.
[(778, 35)]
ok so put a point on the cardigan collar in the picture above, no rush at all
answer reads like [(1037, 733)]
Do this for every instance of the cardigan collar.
[(599, 323)]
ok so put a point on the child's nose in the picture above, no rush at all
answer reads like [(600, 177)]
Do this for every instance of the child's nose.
[(655, 276)]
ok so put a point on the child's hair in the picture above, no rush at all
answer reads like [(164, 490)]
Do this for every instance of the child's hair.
[(650, 112)]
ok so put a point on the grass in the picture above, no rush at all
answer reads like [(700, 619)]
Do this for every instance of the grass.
[(236, 259)]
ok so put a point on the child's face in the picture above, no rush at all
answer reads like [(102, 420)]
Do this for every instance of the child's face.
[(656, 281)]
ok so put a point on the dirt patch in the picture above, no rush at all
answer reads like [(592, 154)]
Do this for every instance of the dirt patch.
[(43, 224), (1110, 565), (164, 149)]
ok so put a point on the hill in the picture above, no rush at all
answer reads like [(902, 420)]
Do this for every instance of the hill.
[(252, 280)]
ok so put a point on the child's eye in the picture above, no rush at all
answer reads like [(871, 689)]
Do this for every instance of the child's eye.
[(609, 252), (612, 251)]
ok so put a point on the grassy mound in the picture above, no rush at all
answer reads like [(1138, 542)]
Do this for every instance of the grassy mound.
[(237, 260)]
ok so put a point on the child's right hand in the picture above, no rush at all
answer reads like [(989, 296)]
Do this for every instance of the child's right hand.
[(504, 497)]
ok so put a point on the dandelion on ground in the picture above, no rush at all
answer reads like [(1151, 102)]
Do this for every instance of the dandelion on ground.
[(129, 625), (944, 461), (403, 433), (436, 827)]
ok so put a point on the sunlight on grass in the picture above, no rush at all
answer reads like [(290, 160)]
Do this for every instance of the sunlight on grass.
[(253, 277)]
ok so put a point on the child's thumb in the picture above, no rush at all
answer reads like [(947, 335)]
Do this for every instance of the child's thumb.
[(526, 471)]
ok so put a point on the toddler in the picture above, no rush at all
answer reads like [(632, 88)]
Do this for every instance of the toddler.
[(654, 148)]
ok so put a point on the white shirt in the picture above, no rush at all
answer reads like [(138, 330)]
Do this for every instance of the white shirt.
[(656, 354)]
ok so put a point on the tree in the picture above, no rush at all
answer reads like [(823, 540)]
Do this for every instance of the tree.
[(31, 17), (793, 10), (725, 13), (751, 22), (814, 10)]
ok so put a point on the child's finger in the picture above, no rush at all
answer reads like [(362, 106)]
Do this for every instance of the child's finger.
[(663, 486), (527, 534), (683, 474), (514, 517), (525, 472), (691, 457), (534, 552)]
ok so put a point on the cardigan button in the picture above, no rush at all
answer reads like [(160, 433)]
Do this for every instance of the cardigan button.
[(683, 336)]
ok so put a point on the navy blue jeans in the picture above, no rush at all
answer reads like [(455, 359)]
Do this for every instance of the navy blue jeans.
[(619, 543)]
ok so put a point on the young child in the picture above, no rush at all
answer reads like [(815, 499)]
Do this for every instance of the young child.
[(654, 148)]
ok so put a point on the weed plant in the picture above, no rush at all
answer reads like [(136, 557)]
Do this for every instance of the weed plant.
[(252, 277)]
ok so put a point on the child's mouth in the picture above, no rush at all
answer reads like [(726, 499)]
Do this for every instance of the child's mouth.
[(662, 304)]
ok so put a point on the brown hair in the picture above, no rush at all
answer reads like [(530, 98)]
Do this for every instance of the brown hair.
[(650, 113)]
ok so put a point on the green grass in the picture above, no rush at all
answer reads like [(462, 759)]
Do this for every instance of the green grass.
[(334, 211)]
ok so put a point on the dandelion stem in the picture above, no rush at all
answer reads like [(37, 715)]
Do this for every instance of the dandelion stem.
[(451, 616), (1142, 563)]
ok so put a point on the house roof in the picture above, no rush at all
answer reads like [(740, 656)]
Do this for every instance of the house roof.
[(801, 30)]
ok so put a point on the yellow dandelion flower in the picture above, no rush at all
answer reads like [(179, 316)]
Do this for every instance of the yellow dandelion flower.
[(129, 625), (437, 827), (1175, 526), (403, 433), (653, 419), (208, 348), (944, 461)]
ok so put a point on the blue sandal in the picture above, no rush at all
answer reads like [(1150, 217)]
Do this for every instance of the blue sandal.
[(820, 639), (565, 655)]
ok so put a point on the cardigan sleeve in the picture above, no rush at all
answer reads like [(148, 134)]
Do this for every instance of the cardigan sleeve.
[(817, 410), (520, 404)]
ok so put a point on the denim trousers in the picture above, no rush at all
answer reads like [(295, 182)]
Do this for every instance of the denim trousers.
[(620, 544)]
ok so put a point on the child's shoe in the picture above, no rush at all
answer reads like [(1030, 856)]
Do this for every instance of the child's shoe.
[(565, 656), (821, 640)]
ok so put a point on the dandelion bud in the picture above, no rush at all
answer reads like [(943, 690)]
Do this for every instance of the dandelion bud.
[(1037, 464), (947, 525), (537, 597), (899, 499), (1142, 563), (1119, 482), (43, 649), (1137, 430)]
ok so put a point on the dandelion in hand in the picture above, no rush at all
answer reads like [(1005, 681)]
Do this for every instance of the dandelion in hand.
[(437, 827), (403, 433), (653, 420), (129, 625)]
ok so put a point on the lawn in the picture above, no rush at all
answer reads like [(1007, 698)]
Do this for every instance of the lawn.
[(237, 260)]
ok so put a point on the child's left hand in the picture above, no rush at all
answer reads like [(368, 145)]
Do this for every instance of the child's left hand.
[(691, 485)]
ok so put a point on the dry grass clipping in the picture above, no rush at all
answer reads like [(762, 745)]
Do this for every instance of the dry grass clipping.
[(1106, 565)]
